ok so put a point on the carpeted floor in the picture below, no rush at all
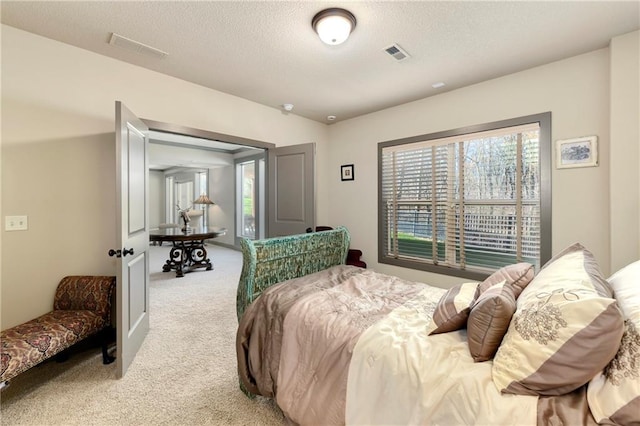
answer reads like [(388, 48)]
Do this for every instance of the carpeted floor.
[(184, 374)]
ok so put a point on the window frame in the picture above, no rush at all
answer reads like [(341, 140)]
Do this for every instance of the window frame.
[(259, 161), (545, 147)]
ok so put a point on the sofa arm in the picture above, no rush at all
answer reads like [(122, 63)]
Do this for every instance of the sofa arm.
[(85, 292)]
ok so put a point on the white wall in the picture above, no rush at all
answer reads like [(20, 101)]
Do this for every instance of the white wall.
[(575, 90), (221, 185), (58, 155), (58, 138), (156, 198), (221, 190), (625, 150), (185, 156)]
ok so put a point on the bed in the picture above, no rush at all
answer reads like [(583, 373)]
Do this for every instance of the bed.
[(337, 344)]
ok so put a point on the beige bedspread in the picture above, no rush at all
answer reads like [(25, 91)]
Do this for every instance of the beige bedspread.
[(260, 331), (314, 337), (350, 345), (413, 378)]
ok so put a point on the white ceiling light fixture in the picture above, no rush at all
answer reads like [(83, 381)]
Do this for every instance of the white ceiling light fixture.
[(333, 25)]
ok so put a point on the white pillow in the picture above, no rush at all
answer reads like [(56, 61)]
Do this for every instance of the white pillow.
[(614, 394)]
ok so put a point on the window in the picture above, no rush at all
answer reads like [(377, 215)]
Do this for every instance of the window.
[(247, 214), (250, 197), (468, 201)]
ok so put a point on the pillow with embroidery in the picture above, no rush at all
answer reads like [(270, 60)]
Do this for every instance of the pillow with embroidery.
[(614, 394), (566, 328)]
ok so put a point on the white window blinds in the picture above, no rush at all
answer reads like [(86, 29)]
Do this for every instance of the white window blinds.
[(470, 202)]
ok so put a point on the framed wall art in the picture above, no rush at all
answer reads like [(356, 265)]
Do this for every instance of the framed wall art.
[(346, 172), (577, 152)]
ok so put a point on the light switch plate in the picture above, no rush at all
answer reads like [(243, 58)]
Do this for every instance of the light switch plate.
[(16, 223)]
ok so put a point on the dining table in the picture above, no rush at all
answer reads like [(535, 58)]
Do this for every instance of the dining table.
[(188, 251)]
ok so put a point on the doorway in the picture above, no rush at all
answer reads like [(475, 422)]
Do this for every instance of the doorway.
[(189, 162), (285, 197), (182, 186)]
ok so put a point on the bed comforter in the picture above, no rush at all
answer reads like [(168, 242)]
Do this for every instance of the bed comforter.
[(348, 345)]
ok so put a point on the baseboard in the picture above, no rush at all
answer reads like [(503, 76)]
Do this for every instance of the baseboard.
[(225, 245)]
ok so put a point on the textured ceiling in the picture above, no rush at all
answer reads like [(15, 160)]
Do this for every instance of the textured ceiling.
[(266, 51)]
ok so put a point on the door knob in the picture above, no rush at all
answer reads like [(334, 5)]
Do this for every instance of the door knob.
[(126, 252), (116, 253)]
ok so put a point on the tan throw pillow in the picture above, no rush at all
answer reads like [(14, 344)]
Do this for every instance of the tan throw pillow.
[(516, 276), (614, 394), (489, 320), (566, 328), (453, 308), (495, 304)]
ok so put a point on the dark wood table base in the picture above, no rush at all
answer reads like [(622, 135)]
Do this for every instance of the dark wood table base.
[(188, 252), (186, 256)]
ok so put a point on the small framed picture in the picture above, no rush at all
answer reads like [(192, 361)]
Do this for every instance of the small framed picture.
[(346, 172), (577, 152)]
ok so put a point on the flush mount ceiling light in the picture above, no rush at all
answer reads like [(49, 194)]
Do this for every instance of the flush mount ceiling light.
[(333, 25)]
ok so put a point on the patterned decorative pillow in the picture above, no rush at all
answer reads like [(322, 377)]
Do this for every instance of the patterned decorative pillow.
[(566, 328), (614, 394), (494, 306), (489, 320), (516, 276), (453, 308)]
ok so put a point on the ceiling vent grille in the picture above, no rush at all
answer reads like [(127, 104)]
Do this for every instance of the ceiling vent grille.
[(143, 49), (397, 52)]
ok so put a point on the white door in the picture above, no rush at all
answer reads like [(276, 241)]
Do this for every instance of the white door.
[(132, 289), (291, 189)]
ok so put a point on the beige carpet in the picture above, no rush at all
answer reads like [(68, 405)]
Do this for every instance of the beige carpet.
[(184, 374)]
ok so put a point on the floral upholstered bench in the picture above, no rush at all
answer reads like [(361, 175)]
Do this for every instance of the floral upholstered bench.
[(81, 308)]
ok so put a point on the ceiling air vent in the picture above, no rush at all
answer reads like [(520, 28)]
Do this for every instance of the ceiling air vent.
[(397, 52), (136, 46)]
